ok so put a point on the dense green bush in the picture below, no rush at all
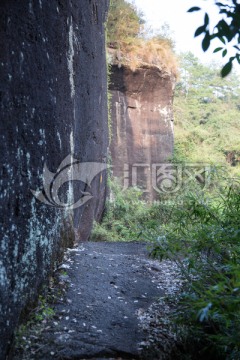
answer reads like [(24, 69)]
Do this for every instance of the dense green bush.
[(121, 220), (127, 215), (203, 237)]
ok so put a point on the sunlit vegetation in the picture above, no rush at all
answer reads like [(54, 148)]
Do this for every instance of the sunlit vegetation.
[(130, 43), (207, 112), (124, 24), (124, 213), (203, 233)]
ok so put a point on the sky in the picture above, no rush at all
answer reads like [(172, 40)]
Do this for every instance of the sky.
[(183, 24)]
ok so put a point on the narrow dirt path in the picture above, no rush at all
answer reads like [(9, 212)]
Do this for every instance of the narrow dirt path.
[(111, 287)]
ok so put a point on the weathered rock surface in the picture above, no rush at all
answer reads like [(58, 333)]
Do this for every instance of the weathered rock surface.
[(53, 103), (107, 308), (142, 124)]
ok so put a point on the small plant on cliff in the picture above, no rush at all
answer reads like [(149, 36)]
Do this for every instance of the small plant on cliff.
[(37, 317)]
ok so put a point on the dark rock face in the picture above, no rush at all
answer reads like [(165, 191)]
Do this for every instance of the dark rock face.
[(142, 125), (53, 103)]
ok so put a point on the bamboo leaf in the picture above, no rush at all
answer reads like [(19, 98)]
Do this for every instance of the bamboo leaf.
[(200, 30), (194, 8), (206, 42), (206, 19), (226, 69), (217, 49), (224, 53)]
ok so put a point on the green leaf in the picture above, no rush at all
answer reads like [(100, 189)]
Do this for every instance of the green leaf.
[(226, 69), (224, 11), (217, 49), (200, 30), (224, 29), (206, 42), (194, 8), (224, 53), (206, 19), (222, 40)]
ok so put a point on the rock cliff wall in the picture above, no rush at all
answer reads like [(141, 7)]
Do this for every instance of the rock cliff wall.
[(142, 125), (53, 106)]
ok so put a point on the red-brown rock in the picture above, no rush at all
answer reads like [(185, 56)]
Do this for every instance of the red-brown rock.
[(142, 124)]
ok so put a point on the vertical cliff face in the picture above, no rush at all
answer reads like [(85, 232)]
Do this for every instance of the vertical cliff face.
[(53, 107), (142, 124)]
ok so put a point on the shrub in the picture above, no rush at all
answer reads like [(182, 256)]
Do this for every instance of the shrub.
[(204, 239), (121, 220), (127, 216)]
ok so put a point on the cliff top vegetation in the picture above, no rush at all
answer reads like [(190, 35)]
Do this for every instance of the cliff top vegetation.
[(131, 43)]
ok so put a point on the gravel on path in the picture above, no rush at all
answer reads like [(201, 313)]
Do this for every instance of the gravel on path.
[(112, 308)]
